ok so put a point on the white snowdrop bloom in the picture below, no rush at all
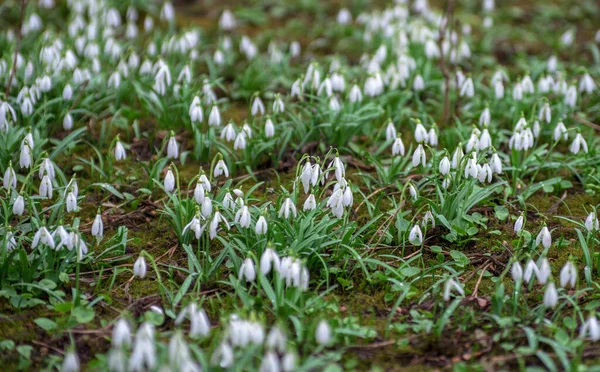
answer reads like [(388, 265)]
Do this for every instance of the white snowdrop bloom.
[(334, 104), (223, 356), (336, 203), (10, 178), (221, 169), (544, 237), (67, 93), (457, 157), (519, 223), (287, 209), (485, 117), (295, 49), (43, 236), (419, 156), (261, 226), (571, 96), (467, 89), (227, 21), (578, 144), (590, 326), (114, 81), (18, 206), (206, 207), (139, 267), (214, 118), (567, 38), (323, 333), (121, 334), (518, 92), (339, 169), (46, 188), (278, 105), (228, 133), (65, 238), (530, 269), (169, 182), (527, 85), (268, 260), (499, 89), (560, 132), (310, 203), (240, 141), (258, 107), (199, 324), (167, 12), (496, 164), (432, 51), (242, 217), (296, 90), (568, 275), (537, 128), (71, 202), (418, 83), (288, 362), (484, 173), (545, 113), (550, 295), (390, 131), (344, 17), (98, 226), (270, 362), (327, 87), (398, 147), (228, 202), (247, 271), (421, 135), (338, 83), (544, 271), (413, 191), (587, 84), (471, 167), (444, 166), (247, 130), (591, 222), (47, 168), (485, 140), (219, 57), (269, 128), (276, 340), (416, 236), (516, 271), (450, 285), (143, 357), (68, 121), (172, 148), (195, 226), (355, 94), (120, 151), (71, 362)]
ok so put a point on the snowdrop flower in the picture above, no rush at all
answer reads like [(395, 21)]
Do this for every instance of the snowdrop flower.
[(530, 269), (413, 191), (242, 217), (268, 260), (68, 121), (355, 94), (287, 209), (499, 89), (269, 128), (323, 333), (421, 135), (545, 113), (310, 203), (195, 226), (227, 21), (257, 106), (550, 295), (344, 17), (10, 178), (398, 147), (221, 169), (444, 166), (261, 226), (338, 166), (223, 355), (484, 173), (240, 141), (516, 271), (571, 96), (71, 202), (18, 206), (419, 156), (144, 352), (43, 236), (65, 238), (114, 81), (214, 224), (568, 275), (46, 188), (467, 89), (71, 362), (418, 83), (390, 131), (296, 90), (167, 12), (457, 157), (416, 236), (449, 286), (247, 271), (172, 147), (228, 133), (199, 323), (139, 267), (121, 334), (206, 207), (67, 93), (295, 49), (432, 135), (560, 132), (98, 226), (519, 224), (471, 167), (518, 92), (544, 237), (214, 118), (119, 151), (591, 222), (587, 84), (496, 164), (591, 327), (169, 182), (25, 156), (578, 144), (485, 117), (485, 140), (544, 271), (47, 168)]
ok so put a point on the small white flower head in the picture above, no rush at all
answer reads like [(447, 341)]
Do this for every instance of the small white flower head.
[(415, 236), (578, 144), (19, 206), (419, 156), (485, 117), (591, 222), (568, 275), (323, 333), (221, 169), (247, 271), (587, 84), (516, 271), (214, 118), (121, 334), (46, 188), (167, 12), (421, 135), (544, 237), (571, 96), (444, 166), (258, 107), (288, 209), (261, 226), (496, 164), (139, 267), (240, 141), (544, 271), (591, 327), (355, 94), (120, 151), (519, 223), (68, 121), (450, 285), (269, 128), (550, 295), (172, 147), (169, 182), (227, 22), (530, 269), (71, 362), (242, 217), (268, 260), (310, 203), (71, 202), (10, 178), (467, 89), (344, 17), (418, 83)]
